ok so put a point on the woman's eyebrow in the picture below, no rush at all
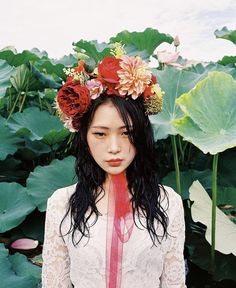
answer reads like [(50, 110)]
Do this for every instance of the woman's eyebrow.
[(104, 127), (100, 127)]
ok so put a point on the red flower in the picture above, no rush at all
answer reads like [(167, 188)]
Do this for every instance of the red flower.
[(148, 92), (107, 69), (73, 98), (111, 89)]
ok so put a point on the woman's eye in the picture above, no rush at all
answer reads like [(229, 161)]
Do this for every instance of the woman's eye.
[(99, 134), (126, 133)]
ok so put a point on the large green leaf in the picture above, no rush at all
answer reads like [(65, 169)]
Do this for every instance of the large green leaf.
[(210, 114), (174, 83), (15, 59), (16, 271), (224, 33), (226, 196), (24, 80), (6, 72), (93, 49), (186, 180), (148, 40), (40, 54), (29, 78), (67, 60), (34, 149), (15, 204), (8, 141), (40, 124), (44, 180), (46, 80), (49, 68), (205, 69), (21, 80), (23, 267), (225, 237), (227, 60)]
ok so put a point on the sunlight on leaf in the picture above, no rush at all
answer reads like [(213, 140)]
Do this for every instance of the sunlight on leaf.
[(210, 114)]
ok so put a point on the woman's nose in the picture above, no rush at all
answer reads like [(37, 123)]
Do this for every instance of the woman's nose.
[(114, 146)]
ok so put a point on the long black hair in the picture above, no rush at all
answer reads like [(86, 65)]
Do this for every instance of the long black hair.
[(142, 174)]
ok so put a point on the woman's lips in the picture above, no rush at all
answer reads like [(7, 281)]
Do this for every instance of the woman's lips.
[(114, 162)]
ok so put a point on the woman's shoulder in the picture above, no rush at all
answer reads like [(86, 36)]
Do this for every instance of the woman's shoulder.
[(171, 193), (170, 199), (62, 195)]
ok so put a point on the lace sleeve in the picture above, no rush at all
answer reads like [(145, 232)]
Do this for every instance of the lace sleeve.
[(173, 275), (56, 261)]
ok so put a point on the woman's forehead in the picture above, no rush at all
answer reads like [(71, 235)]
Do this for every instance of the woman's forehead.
[(107, 115)]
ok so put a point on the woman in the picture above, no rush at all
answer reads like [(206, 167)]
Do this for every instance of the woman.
[(118, 226)]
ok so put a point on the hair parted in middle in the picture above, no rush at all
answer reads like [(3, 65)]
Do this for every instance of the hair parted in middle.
[(142, 175)]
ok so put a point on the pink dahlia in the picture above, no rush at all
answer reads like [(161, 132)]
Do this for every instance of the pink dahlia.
[(95, 88), (134, 76)]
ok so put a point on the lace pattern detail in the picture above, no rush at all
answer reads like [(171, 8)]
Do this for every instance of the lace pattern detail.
[(83, 266), (56, 259)]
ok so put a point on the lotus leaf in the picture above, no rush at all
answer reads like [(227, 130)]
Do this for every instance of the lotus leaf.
[(8, 141), (187, 178), (6, 72), (51, 68), (46, 81), (22, 78), (227, 60), (210, 113), (93, 49), (16, 271), (44, 180), (15, 205), (15, 59), (225, 237), (67, 60), (40, 124), (148, 40), (224, 33), (226, 196), (174, 83)]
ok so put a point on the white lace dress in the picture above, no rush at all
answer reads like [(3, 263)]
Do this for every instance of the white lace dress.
[(84, 266)]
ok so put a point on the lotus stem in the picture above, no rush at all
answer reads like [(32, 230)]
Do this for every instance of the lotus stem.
[(181, 149), (213, 217), (177, 173), (14, 105), (22, 103)]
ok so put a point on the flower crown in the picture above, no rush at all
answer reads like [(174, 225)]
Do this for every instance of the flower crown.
[(118, 74)]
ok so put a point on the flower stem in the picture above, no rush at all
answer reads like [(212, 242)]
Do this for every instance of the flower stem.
[(14, 105), (22, 103), (213, 217), (177, 173)]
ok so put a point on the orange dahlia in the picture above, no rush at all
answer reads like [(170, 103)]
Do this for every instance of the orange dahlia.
[(134, 76)]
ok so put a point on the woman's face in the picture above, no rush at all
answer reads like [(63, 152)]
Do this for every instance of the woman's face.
[(108, 140)]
